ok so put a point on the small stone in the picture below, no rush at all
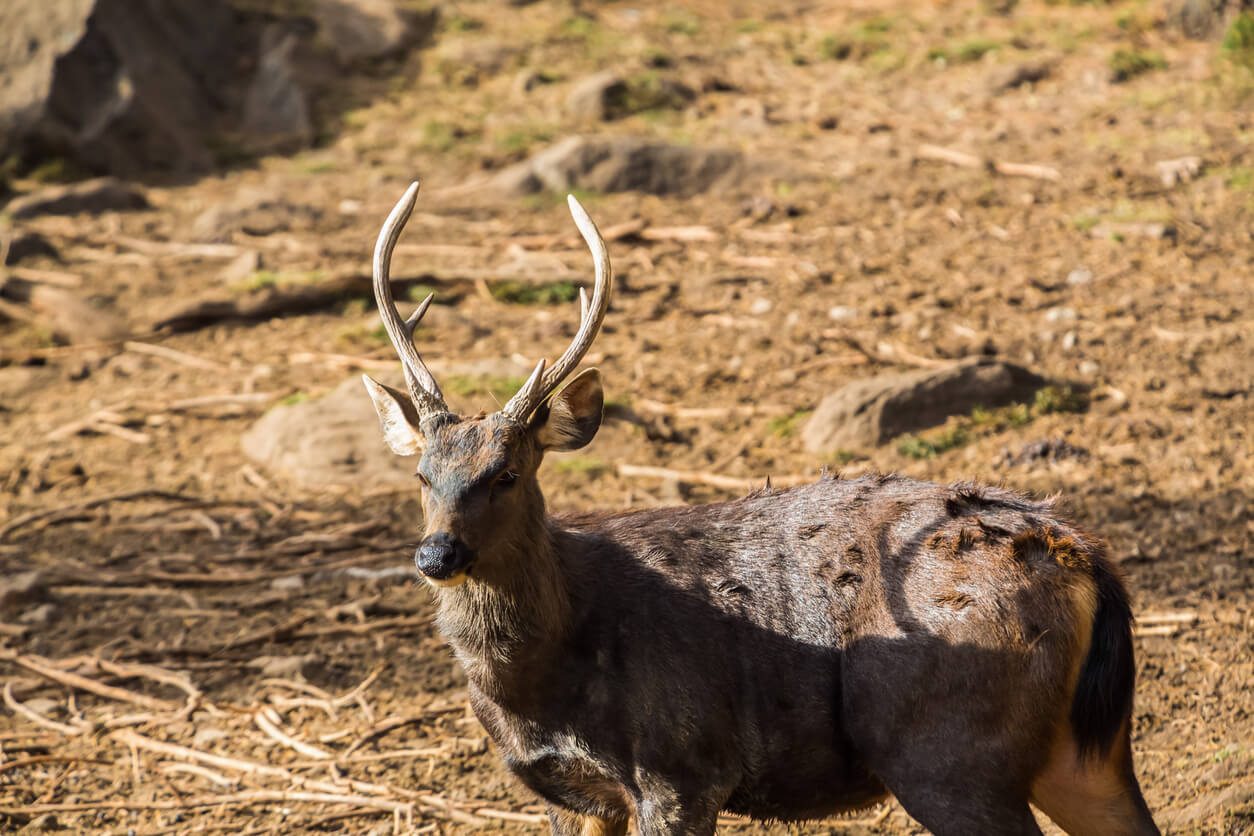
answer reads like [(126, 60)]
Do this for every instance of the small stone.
[(1068, 341), (1088, 368), (241, 267), (22, 588), (291, 583), (842, 312), (592, 99), (761, 306), (1080, 276), (1061, 315), (39, 615)]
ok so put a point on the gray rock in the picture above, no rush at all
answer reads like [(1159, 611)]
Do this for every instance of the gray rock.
[(255, 210), (620, 164), (870, 411), (132, 86), (104, 194), (593, 98), (365, 30), (276, 110), (23, 244), (333, 440), (1020, 74), (21, 589)]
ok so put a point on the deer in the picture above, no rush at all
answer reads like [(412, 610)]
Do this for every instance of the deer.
[(789, 655)]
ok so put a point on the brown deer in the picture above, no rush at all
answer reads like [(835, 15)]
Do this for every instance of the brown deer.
[(788, 655)]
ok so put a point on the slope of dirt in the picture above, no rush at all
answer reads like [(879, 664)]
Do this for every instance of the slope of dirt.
[(289, 649)]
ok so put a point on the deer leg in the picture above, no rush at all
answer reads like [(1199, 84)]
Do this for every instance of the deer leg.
[(569, 823), (960, 811)]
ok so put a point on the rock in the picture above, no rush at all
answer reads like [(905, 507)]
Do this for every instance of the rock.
[(284, 666), (1021, 74), (21, 589), (332, 440), (74, 318), (366, 30), (292, 583), (1044, 450), (1180, 170), (1080, 276), (840, 313), (1202, 19), (255, 210), (40, 615), (104, 194), (595, 98), (24, 245), (620, 164), (241, 267), (871, 411), (134, 86), (276, 110), (1120, 231), (47, 823)]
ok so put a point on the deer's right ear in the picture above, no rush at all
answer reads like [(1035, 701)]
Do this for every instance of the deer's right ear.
[(397, 416)]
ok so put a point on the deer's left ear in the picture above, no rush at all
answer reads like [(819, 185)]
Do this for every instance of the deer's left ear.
[(397, 416), (571, 417)]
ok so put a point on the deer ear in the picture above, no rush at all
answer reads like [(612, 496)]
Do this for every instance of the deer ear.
[(397, 416), (571, 417)]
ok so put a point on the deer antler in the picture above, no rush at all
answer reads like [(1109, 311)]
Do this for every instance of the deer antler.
[(423, 389), (542, 383)]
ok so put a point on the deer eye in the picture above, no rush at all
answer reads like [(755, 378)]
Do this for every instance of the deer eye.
[(506, 478), (422, 480)]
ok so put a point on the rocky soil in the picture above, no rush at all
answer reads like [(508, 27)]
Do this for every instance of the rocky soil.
[(208, 617)]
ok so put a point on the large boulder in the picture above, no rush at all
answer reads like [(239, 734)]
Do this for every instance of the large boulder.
[(625, 163), (131, 86), (332, 440), (871, 411)]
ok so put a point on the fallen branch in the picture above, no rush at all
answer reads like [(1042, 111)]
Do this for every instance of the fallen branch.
[(702, 412), (716, 480), (43, 667), (35, 717), (947, 155), (307, 749), (87, 505), (173, 354)]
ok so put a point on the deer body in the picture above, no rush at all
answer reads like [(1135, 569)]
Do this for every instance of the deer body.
[(787, 655)]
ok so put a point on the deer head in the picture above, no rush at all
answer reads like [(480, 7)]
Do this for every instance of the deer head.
[(478, 473)]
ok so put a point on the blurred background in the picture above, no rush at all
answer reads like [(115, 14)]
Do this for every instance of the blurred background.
[(1003, 240)]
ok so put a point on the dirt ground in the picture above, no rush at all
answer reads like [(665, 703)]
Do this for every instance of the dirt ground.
[(276, 633)]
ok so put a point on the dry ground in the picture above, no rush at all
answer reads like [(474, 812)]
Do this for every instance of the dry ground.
[(317, 671)]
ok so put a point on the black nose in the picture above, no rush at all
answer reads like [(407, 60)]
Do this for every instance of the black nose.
[(441, 555)]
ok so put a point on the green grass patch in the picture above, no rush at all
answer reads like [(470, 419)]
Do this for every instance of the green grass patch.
[(858, 42), (263, 279), (522, 138), (295, 398), (591, 466), (1048, 400), (965, 52), (526, 293), (1239, 178), (787, 426), (681, 23), (931, 446), (1127, 64), (500, 388), (462, 23), (1238, 43)]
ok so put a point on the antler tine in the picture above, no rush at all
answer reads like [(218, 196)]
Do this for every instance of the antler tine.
[(423, 389), (542, 382)]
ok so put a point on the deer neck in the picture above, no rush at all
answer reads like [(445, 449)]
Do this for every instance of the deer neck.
[(510, 617)]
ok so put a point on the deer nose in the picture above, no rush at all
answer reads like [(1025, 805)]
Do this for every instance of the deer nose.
[(441, 556)]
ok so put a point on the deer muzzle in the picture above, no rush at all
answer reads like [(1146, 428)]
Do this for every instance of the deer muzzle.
[(443, 559)]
